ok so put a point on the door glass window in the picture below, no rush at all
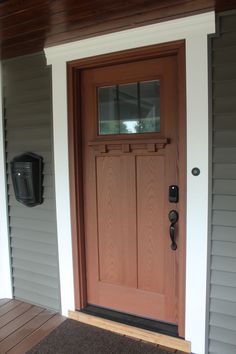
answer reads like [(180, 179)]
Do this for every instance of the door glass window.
[(129, 108)]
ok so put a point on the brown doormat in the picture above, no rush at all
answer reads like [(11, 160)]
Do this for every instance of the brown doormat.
[(73, 337)]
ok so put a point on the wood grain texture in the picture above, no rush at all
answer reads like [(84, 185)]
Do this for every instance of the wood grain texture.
[(130, 266), (150, 218), (89, 176), (28, 27), (116, 231), (148, 336), (23, 325), (9, 305)]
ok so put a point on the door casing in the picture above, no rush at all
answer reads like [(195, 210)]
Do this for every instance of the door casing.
[(75, 159)]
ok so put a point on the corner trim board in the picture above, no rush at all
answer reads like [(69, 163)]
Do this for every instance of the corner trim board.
[(5, 264)]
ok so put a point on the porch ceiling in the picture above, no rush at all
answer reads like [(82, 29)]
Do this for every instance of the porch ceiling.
[(28, 26)]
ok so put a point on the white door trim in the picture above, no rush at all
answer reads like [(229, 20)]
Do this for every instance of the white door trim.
[(194, 29)]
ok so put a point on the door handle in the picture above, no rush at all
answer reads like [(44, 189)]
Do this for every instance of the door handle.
[(173, 217)]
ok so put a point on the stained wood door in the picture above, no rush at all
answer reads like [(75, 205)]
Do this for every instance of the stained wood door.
[(130, 266)]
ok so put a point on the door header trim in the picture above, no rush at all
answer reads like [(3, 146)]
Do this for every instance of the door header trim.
[(163, 32)]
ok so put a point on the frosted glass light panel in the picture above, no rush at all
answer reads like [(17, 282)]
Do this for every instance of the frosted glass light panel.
[(129, 108)]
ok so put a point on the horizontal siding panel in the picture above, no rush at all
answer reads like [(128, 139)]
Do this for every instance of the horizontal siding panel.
[(29, 96), (29, 108), (224, 73), (225, 57), (223, 293), (224, 138), (36, 214), (25, 96), (225, 249), (217, 347), (22, 63), (34, 257), (30, 85), (223, 186), (36, 278), (225, 335), (228, 23), (30, 74), (22, 234), (34, 224), (224, 233), (224, 155), (33, 233), (33, 246), (224, 279), (37, 268), (29, 133), (37, 120), (34, 298), (224, 89), (223, 306), (227, 264), (224, 171), (225, 104), (31, 80), (222, 321), (224, 202), (31, 144), (226, 218), (40, 289), (224, 41)]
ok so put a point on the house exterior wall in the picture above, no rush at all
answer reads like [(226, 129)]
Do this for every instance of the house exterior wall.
[(222, 304), (32, 231)]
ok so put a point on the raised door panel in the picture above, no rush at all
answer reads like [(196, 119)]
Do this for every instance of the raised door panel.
[(116, 220), (150, 220)]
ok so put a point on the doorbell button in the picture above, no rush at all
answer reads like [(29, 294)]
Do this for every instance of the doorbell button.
[(195, 171)]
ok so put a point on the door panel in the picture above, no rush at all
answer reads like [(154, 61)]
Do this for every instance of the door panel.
[(129, 262), (150, 218), (116, 200)]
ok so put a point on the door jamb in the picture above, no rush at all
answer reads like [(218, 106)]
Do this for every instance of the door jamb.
[(74, 69)]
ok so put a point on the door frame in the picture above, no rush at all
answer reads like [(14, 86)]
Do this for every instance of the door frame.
[(195, 30), (76, 164)]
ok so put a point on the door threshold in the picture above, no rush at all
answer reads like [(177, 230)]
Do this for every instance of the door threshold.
[(132, 320), (133, 332)]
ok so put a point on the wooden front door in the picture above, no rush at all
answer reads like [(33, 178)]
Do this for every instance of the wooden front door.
[(130, 158)]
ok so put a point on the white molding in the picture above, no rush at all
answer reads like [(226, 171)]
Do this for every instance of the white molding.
[(61, 168), (194, 29), (142, 36), (5, 266), (197, 190)]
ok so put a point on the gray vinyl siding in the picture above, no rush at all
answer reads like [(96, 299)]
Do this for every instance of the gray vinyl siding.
[(222, 305), (28, 128)]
